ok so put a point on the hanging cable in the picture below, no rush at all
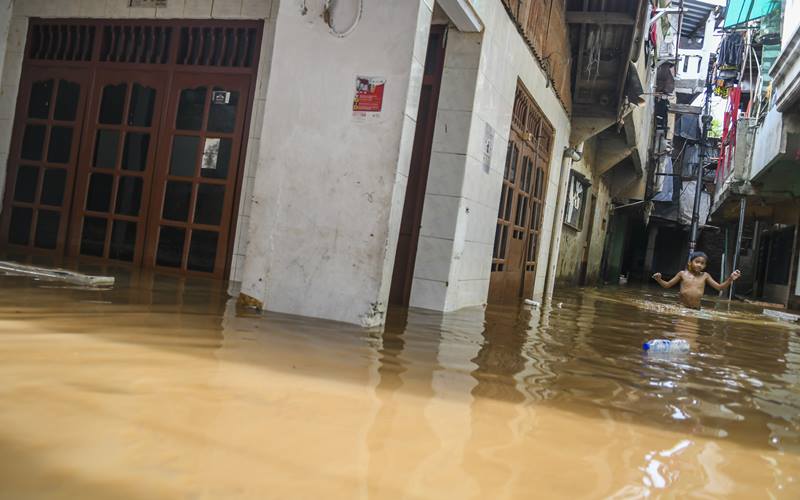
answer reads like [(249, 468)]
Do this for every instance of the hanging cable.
[(328, 16)]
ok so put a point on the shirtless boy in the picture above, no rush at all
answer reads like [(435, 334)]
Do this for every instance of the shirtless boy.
[(693, 280)]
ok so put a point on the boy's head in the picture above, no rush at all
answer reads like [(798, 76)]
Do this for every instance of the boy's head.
[(698, 261)]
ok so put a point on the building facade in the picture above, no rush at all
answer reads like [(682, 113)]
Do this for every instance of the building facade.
[(758, 180), (326, 159)]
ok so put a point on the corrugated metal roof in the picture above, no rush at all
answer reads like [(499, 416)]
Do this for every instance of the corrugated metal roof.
[(695, 13)]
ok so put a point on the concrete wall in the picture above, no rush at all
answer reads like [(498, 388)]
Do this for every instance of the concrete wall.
[(574, 241), (177, 9), (791, 20), (771, 140), (459, 217), (329, 187)]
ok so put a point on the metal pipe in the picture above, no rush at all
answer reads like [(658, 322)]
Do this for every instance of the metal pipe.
[(742, 208), (558, 220), (703, 140), (724, 255)]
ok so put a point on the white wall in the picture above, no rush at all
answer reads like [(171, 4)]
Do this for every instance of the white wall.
[(329, 189), (454, 254), (177, 9), (710, 44), (791, 21)]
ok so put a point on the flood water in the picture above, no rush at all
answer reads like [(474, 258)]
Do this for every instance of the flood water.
[(160, 388)]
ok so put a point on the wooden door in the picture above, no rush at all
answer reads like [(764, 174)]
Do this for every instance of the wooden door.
[(406, 254), (44, 152), (200, 145), (117, 164), (521, 202)]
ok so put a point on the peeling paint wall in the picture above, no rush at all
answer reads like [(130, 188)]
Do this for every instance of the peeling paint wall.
[(573, 241)]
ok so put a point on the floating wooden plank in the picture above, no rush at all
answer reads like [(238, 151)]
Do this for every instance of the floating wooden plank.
[(55, 274)]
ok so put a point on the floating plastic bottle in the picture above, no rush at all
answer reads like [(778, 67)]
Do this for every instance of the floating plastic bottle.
[(666, 346)]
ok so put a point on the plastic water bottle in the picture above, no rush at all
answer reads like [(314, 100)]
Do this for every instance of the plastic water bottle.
[(666, 346)]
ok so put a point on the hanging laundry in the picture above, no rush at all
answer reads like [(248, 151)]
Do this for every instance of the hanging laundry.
[(731, 51)]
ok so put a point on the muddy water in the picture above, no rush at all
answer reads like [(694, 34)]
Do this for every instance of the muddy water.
[(162, 389)]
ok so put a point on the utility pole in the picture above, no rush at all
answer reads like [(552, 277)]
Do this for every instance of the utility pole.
[(695, 229)]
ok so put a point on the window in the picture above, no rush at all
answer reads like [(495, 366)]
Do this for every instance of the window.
[(576, 200)]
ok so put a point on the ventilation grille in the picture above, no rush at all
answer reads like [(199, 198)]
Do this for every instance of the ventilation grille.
[(135, 44), (217, 46), (61, 42)]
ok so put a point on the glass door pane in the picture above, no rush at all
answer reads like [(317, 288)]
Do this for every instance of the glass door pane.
[(117, 165), (43, 157)]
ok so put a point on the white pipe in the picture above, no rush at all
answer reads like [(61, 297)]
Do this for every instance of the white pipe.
[(555, 233)]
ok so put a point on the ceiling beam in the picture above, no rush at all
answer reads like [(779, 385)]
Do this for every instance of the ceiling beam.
[(619, 18)]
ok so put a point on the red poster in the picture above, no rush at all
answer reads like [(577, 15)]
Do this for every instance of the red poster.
[(369, 95)]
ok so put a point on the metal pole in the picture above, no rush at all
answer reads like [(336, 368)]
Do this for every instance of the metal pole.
[(703, 139), (742, 208), (725, 254)]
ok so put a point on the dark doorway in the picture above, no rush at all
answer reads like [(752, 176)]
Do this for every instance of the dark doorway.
[(406, 255), (582, 280)]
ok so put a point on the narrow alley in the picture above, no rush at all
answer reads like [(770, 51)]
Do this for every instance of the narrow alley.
[(412, 249)]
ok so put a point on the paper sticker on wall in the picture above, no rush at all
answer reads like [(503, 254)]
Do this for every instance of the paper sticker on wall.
[(487, 147), (210, 153), (368, 99)]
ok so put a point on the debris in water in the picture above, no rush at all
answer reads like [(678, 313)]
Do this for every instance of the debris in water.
[(532, 303), (55, 274), (780, 315)]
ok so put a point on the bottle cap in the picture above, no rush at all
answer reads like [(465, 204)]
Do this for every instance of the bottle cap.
[(646, 346)]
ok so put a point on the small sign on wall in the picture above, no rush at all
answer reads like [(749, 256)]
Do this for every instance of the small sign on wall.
[(368, 99), (487, 147), (148, 3)]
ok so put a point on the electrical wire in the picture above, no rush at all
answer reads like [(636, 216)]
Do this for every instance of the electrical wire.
[(328, 9)]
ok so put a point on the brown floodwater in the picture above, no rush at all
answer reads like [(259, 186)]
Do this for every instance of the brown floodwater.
[(161, 388)]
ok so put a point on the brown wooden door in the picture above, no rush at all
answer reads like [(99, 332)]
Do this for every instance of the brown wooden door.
[(408, 238), (200, 145), (519, 215), (44, 152), (117, 164)]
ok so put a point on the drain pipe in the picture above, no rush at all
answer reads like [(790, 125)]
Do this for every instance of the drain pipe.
[(570, 155)]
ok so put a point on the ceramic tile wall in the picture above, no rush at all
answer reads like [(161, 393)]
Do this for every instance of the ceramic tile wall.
[(478, 87)]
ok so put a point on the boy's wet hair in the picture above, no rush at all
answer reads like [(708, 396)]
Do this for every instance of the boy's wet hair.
[(695, 255)]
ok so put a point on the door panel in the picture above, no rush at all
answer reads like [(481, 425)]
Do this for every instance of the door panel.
[(117, 166), (44, 152), (519, 216), (199, 153)]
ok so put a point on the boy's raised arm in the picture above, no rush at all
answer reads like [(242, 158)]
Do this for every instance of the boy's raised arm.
[(725, 284), (667, 284)]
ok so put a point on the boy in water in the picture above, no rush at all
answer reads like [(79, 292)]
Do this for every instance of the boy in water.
[(693, 280)]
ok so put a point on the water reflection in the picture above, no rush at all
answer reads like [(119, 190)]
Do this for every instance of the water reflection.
[(161, 387)]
